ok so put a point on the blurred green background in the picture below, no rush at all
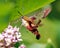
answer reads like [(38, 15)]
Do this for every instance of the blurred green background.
[(50, 31)]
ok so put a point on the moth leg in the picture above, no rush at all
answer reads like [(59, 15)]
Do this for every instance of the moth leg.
[(21, 26), (38, 23)]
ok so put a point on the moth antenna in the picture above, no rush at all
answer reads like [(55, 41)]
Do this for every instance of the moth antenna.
[(18, 10), (20, 13)]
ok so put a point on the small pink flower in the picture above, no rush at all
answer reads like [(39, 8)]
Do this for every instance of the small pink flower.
[(22, 46)]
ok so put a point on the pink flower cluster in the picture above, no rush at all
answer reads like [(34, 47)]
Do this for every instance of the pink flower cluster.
[(10, 36)]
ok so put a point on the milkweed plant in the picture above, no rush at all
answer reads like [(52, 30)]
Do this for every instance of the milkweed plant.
[(10, 36)]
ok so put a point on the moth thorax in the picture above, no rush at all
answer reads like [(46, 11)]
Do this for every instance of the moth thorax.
[(24, 22)]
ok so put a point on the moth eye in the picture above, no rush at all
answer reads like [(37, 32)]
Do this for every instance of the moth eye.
[(22, 17)]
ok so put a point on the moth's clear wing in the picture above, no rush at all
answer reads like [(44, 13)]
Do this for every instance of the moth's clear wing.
[(46, 10), (40, 13)]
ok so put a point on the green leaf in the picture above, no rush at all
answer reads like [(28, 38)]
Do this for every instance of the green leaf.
[(28, 6), (5, 9)]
